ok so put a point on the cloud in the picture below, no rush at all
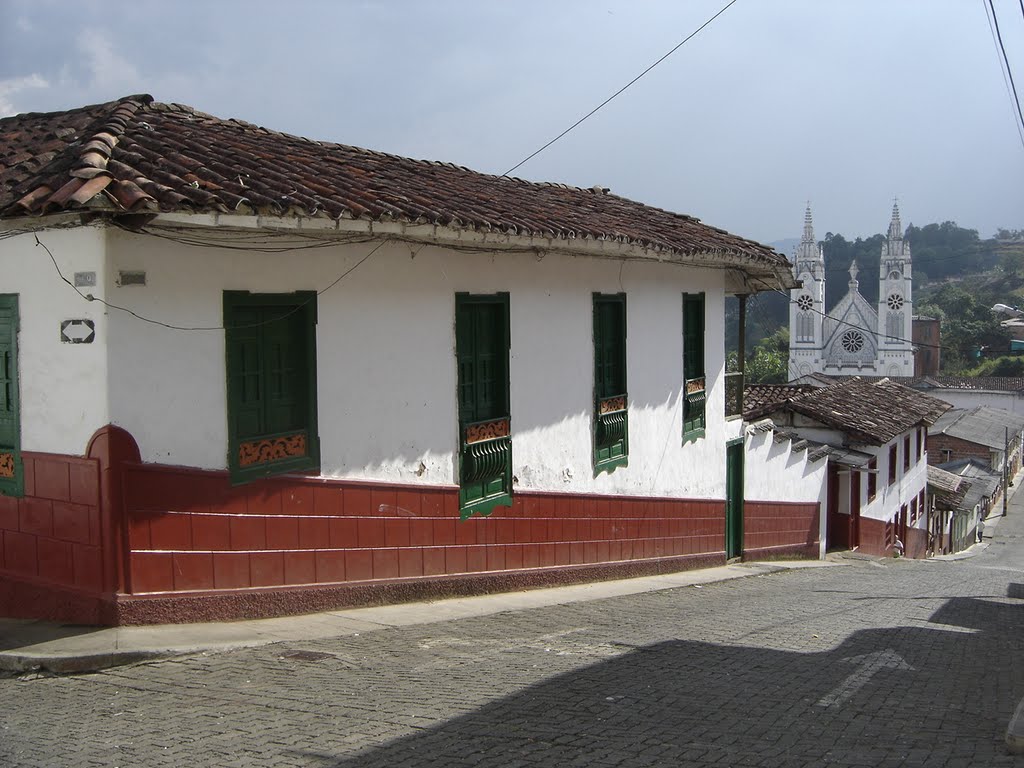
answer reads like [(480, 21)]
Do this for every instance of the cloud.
[(13, 85), (108, 71)]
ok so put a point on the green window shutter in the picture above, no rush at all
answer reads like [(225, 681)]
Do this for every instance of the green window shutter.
[(270, 343), (485, 441), (11, 472), (611, 403), (694, 381)]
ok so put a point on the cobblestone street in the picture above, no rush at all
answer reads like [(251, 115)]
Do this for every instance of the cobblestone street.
[(878, 663)]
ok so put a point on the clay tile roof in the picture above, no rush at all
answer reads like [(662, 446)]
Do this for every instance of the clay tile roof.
[(870, 411), (758, 396), (137, 154)]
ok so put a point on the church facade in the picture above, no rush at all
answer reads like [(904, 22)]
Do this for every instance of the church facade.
[(853, 338)]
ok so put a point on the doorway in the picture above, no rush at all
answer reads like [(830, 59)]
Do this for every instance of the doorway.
[(734, 499)]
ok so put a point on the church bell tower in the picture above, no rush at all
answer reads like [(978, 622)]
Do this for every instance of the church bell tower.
[(807, 304)]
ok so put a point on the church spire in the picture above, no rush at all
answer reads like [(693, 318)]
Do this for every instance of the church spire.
[(895, 228), (808, 226)]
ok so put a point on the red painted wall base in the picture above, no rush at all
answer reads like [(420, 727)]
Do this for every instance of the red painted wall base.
[(109, 540)]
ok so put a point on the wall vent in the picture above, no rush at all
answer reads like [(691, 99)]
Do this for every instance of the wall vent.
[(125, 278)]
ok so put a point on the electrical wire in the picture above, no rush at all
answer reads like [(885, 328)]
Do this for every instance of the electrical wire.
[(604, 103), (89, 297), (1006, 61)]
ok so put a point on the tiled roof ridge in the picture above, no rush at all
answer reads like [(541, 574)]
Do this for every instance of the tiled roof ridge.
[(84, 160)]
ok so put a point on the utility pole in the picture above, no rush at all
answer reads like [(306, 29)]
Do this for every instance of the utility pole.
[(1006, 466)]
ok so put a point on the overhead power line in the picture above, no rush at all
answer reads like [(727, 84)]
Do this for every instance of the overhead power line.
[(994, 21), (607, 101)]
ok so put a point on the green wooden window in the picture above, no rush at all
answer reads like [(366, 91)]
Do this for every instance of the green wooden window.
[(694, 381), (11, 473), (611, 423), (485, 441), (270, 341)]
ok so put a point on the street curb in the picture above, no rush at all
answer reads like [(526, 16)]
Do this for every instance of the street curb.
[(1015, 731), (69, 662), (19, 664)]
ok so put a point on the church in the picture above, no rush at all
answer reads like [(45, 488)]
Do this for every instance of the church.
[(853, 338)]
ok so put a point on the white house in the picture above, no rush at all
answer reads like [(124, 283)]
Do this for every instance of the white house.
[(876, 482), (249, 373)]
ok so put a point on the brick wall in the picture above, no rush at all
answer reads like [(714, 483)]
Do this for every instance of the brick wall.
[(959, 449)]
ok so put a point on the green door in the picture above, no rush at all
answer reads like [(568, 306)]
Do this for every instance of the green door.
[(10, 420), (482, 344), (734, 499)]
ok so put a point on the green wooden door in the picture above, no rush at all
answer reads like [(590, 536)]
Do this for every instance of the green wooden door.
[(734, 499), (10, 411), (482, 354)]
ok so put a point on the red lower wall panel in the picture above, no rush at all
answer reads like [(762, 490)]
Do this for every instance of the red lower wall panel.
[(780, 529), (50, 540), (109, 540), (191, 531)]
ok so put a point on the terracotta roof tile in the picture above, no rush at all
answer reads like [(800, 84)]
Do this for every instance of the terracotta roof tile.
[(172, 158), (870, 411)]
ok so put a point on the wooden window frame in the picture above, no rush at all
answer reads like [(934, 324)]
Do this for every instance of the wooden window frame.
[(611, 409), (12, 482), (291, 458), (906, 454), (694, 369), (893, 462), (872, 478), (485, 446)]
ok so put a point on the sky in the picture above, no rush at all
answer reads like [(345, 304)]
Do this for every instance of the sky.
[(848, 105)]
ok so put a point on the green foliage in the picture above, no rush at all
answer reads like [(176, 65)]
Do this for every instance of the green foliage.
[(968, 325), (766, 367), (1005, 365)]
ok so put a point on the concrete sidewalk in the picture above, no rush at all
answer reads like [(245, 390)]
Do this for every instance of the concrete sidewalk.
[(27, 646)]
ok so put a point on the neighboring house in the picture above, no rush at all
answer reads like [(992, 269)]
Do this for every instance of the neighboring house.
[(876, 481), (963, 392), (247, 373), (990, 435), (982, 491), (853, 337), (949, 519)]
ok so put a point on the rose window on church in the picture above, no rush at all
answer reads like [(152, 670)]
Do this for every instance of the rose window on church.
[(805, 302), (895, 302), (852, 341)]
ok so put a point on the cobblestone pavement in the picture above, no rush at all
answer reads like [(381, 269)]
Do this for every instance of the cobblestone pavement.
[(880, 663)]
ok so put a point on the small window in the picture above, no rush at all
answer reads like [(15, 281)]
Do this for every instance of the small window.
[(892, 462), (611, 423), (482, 344), (872, 478), (271, 372), (694, 380), (921, 434), (906, 453), (11, 468)]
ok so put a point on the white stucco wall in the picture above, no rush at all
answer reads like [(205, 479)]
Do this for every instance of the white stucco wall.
[(773, 471), (908, 485), (63, 386), (387, 376), (972, 398)]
